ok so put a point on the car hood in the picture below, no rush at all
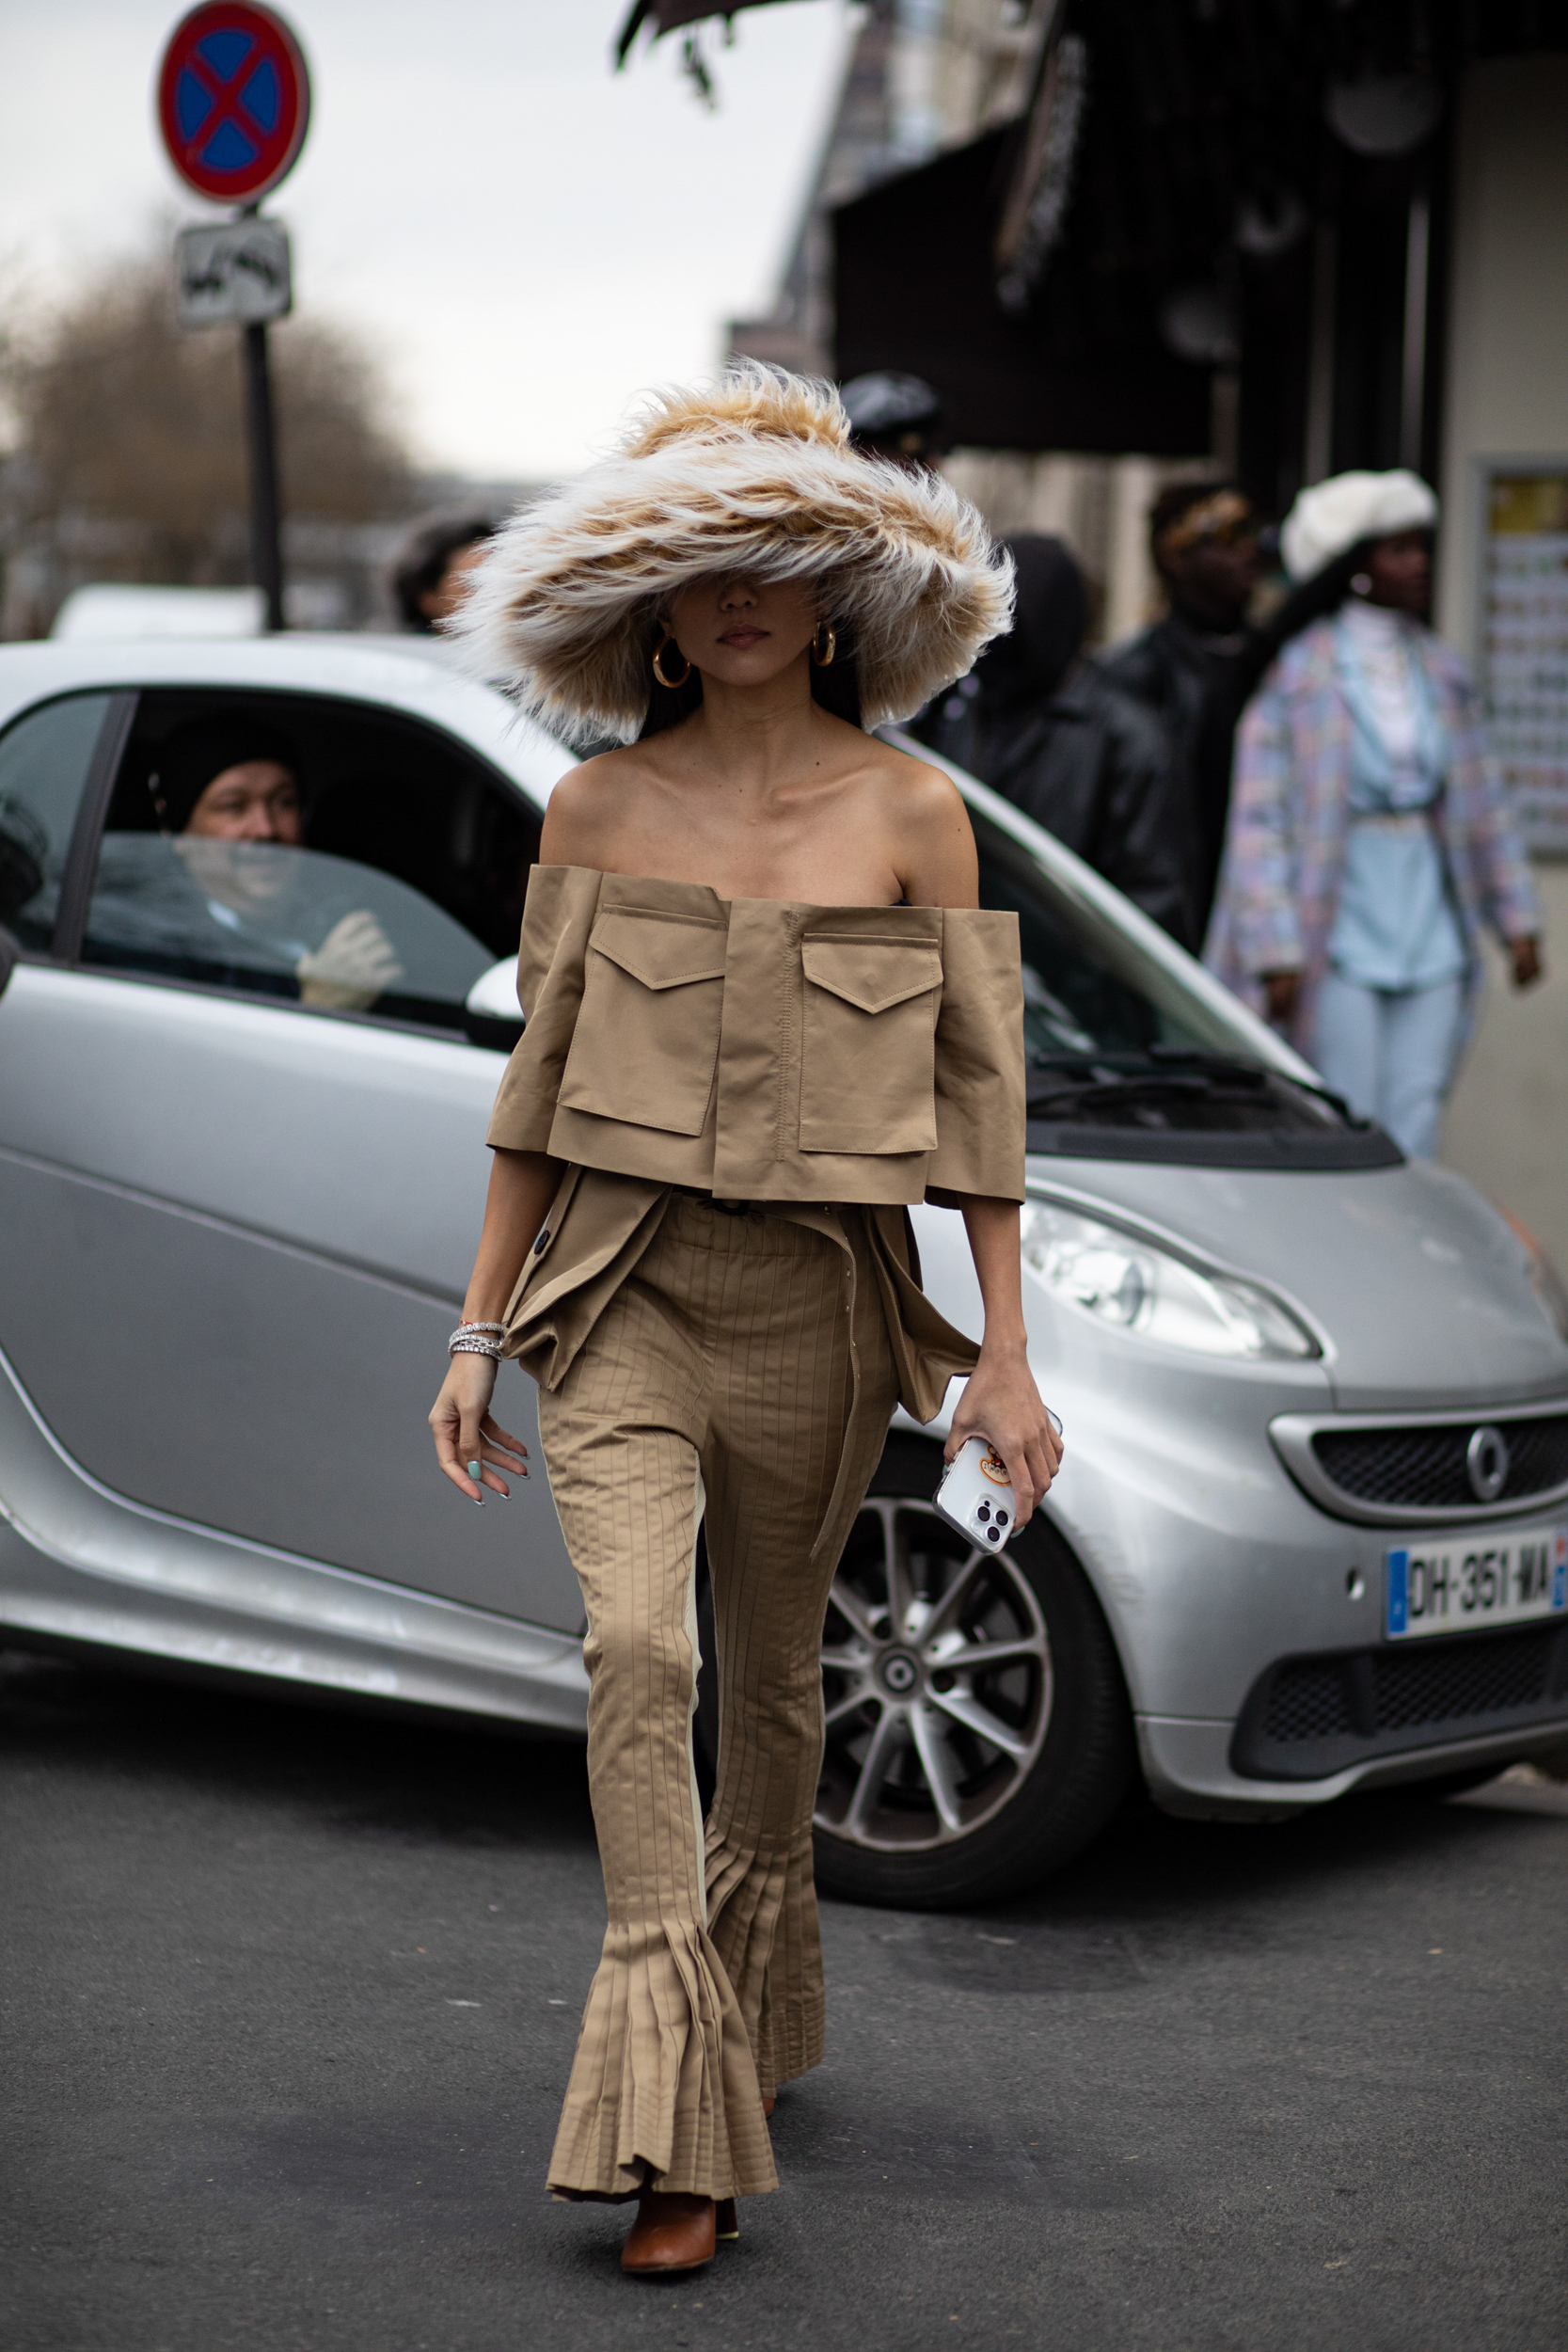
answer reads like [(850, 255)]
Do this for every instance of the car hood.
[(1422, 1287)]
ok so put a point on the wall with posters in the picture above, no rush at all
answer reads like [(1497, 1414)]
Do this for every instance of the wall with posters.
[(1506, 379), (1524, 642), (1503, 589)]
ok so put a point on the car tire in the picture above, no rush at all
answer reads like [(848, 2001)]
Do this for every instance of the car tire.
[(1009, 1813)]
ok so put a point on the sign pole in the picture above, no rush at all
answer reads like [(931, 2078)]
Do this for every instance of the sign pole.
[(233, 105), (266, 546)]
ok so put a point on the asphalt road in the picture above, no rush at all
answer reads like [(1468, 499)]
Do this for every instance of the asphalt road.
[(290, 2000)]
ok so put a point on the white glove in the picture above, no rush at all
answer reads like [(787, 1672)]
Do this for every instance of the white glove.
[(352, 967)]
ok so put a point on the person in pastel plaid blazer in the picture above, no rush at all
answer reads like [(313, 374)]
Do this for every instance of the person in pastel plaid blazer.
[(1276, 938)]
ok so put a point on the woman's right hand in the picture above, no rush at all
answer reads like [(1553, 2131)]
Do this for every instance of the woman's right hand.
[(465, 1431), (1280, 990), (1525, 954)]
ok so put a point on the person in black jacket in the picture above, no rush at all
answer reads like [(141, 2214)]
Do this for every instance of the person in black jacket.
[(1041, 725), (1198, 667)]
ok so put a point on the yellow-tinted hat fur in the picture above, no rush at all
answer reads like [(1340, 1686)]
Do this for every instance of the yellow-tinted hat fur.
[(756, 477)]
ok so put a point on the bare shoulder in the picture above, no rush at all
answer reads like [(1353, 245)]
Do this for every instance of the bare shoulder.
[(923, 793), (926, 816), (584, 806)]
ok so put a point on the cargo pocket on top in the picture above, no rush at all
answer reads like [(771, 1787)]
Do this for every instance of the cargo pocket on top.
[(868, 1044), (646, 1041)]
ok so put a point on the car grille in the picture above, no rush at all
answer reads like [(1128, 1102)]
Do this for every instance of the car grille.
[(1443, 1687), (1308, 1717), (1423, 1469), (1308, 1702)]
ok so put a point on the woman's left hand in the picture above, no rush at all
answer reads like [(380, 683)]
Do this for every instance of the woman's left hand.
[(1000, 1403)]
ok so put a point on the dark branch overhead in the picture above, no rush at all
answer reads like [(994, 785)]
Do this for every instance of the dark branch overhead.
[(670, 16)]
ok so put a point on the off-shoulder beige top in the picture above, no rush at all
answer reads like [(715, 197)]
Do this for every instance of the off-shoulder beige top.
[(766, 1050), (828, 1062)]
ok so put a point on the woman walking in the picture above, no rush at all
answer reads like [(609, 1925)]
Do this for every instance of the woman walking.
[(765, 1014), (1370, 840)]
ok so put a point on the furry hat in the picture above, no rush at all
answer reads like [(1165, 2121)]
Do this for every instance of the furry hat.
[(756, 476), (1333, 517)]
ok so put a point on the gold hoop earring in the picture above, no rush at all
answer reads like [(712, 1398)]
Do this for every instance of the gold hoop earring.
[(823, 657), (673, 683)]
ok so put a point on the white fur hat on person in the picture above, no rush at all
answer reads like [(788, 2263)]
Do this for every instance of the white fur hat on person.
[(1328, 519), (755, 476)]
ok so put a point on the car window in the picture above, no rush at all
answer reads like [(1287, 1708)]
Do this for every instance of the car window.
[(1116, 1041), (314, 850), (45, 758), (1088, 988)]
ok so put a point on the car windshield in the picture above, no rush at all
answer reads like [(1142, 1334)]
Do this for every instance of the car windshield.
[(1117, 1040)]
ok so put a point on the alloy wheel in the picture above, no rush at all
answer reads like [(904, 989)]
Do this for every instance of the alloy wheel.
[(936, 1679)]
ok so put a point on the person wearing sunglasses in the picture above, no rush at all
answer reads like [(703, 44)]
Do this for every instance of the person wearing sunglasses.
[(1196, 667)]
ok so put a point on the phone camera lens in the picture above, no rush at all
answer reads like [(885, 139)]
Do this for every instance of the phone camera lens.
[(994, 1533), (1002, 1518), (984, 1511)]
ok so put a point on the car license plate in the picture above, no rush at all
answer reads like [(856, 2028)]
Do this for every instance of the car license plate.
[(1456, 1584)]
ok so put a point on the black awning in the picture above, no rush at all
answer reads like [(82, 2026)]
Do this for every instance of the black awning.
[(915, 287)]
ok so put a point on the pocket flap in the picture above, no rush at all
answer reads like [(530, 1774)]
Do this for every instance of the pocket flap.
[(873, 974), (658, 952)]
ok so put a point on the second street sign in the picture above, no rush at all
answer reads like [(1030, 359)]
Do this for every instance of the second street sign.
[(238, 270)]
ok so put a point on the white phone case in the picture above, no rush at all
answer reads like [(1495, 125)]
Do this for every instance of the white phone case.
[(976, 1496)]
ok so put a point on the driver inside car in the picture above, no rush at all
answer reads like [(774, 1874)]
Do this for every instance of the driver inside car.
[(227, 793)]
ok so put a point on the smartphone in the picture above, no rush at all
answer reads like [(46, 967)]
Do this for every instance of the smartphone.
[(976, 1495)]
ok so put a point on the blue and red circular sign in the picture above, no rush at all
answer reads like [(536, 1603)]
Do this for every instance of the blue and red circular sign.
[(233, 100)]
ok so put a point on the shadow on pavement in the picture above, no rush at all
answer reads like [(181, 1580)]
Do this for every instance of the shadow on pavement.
[(401, 1772), (416, 1777)]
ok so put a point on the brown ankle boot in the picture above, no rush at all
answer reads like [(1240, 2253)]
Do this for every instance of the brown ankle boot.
[(671, 2233)]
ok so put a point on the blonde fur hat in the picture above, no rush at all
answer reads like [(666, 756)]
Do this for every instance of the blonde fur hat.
[(756, 477)]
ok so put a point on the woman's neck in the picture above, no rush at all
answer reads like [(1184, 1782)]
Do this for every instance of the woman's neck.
[(760, 735)]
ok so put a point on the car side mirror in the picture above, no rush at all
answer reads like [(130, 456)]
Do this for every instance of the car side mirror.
[(491, 1014)]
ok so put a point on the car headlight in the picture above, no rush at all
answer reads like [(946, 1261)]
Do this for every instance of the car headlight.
[(1544, 1279), (1131, 1283)]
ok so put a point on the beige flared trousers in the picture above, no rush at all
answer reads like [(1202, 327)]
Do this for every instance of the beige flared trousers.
[(721, 1381)]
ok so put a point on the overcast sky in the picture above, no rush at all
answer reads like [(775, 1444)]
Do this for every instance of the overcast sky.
[(528, 237)]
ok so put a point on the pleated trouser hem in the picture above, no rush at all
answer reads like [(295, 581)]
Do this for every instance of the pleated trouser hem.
[(663, 2093)]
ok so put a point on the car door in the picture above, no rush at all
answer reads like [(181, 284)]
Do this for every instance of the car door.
[(250, 1198)]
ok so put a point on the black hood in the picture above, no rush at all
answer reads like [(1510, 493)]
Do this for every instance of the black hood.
[(1049, 622)]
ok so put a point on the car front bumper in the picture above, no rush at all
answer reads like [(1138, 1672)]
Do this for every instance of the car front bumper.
[(1186, 1764)]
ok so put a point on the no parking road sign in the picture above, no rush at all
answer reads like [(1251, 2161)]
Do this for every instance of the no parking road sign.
[(234, 101)]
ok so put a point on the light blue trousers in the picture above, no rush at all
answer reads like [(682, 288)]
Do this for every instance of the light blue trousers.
[(1390, 1052)]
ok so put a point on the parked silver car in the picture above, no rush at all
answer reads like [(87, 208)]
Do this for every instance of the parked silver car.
[(1312, 1528)]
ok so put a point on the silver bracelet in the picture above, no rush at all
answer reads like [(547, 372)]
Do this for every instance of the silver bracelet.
[(469, 1340)]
